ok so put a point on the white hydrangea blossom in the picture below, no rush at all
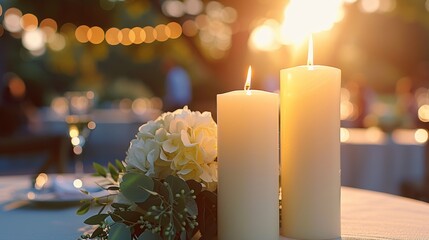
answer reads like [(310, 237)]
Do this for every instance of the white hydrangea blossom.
[(181, 143)]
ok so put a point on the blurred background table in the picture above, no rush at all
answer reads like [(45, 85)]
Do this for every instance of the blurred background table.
[(366, 215), (374, 160)]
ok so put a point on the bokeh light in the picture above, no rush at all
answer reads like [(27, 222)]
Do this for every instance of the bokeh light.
[(29, 22), (128, 37), (162, 32), (140, 106), (12, 20), (81, 33), (421, 135), (175, 30), (17, 87), (57, 42), (193, 7), (41, 181), (34, 40), (173, 8), (59, 105), (369, 6), (423, 113), (95, 35), (113, 36), (344, 134), (150, 34), (190, 28), (265, 37), (49, 26), (139, 35), (77, 183), (300, 20)]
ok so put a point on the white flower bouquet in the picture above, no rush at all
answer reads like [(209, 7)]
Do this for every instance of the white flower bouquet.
[(165, 188)]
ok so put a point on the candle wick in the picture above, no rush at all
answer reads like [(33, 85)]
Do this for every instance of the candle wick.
[(248, 80), (310, 51)]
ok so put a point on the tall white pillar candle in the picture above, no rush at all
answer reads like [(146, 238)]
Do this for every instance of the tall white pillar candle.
[(310, 152), (248, 165)]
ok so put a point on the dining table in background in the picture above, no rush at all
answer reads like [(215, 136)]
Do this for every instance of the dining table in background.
[(365, 215), (375, 160)]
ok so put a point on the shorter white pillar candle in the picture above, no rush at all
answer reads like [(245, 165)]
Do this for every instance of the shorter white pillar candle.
[(248, 158)]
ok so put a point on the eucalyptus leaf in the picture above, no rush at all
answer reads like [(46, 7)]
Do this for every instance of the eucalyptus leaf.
[(177, 184), (84, 192), (84, 208), (120, 205), (97, 232), (149, 235), (128, 216), (119, 231), (120, 165), (194, 185), (96, 219), (132, 184), (99, 169), (113, 172)]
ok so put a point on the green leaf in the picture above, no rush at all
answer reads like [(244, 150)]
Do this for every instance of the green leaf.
[(97, 232), (99, 169), (149, 235), (128, 216), (83, 209), (132, 184), (119, 231), (177, 186), (113, 172), (84, 192), (120, 165), (194, 185), (120, 205), (96, 219)]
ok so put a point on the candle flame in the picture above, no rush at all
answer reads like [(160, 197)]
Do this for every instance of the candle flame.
[(310, 52), (248, 80)]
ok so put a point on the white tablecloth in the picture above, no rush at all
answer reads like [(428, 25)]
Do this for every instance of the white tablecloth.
[(366, 215)]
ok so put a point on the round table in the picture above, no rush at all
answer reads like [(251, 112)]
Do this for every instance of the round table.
[(365, 215)]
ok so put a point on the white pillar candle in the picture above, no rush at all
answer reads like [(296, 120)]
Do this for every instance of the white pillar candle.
[(310, 151), (248, 159)]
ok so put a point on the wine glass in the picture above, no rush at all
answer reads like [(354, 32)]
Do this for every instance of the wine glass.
[(80, 124)]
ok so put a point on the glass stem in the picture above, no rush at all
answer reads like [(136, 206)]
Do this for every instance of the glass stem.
[(78, 166)]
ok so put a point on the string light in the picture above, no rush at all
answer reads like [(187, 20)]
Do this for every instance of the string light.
[(15, 22), (211, 25)]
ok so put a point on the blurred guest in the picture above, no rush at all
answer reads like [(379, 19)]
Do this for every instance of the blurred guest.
[(178, 87)]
